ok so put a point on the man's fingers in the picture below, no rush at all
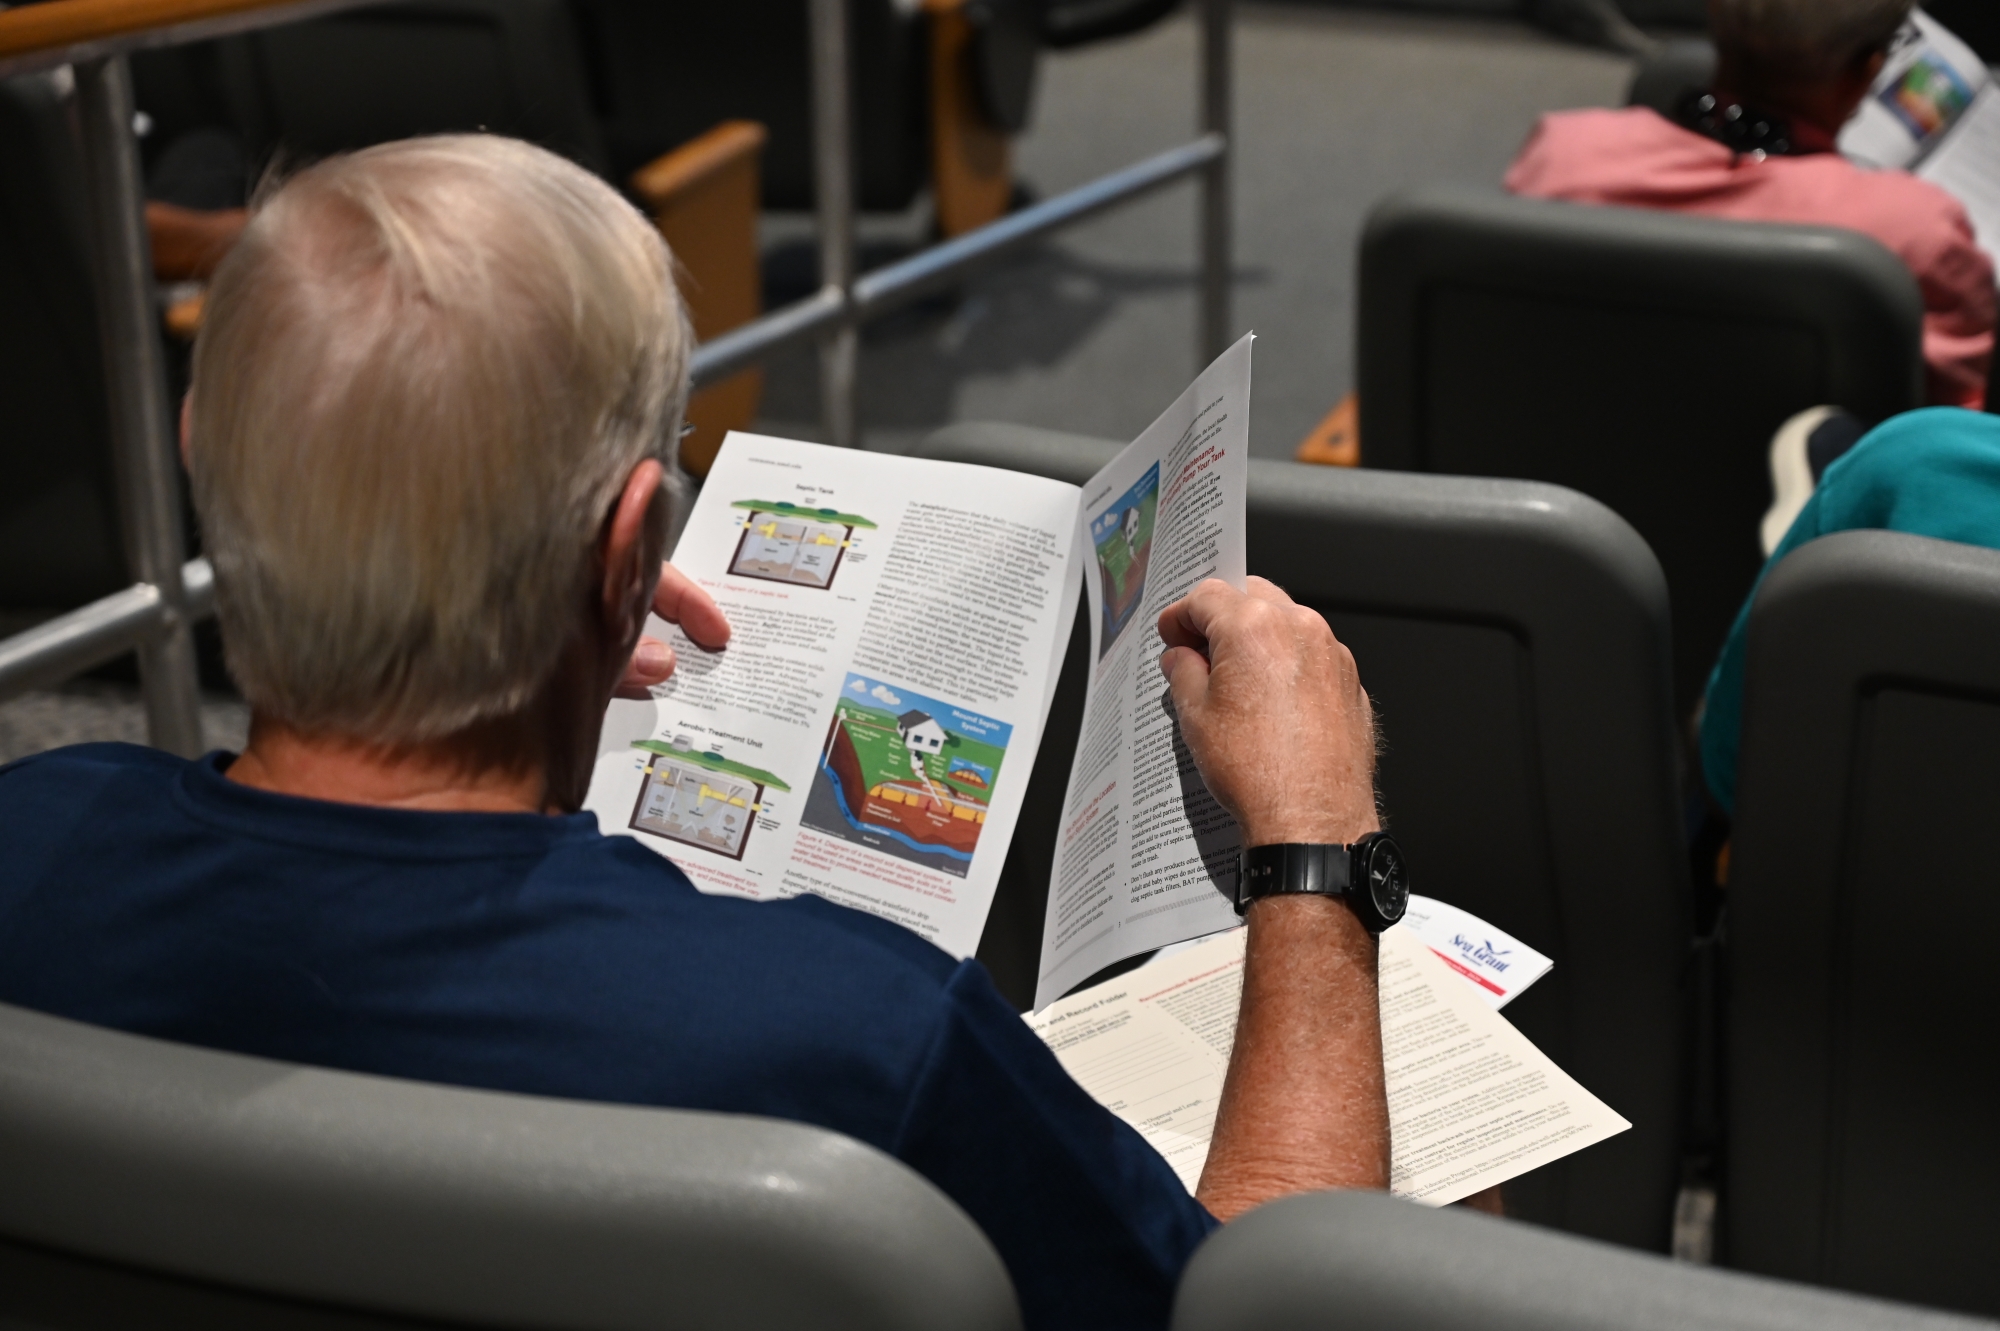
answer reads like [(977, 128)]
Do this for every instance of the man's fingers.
[(1263, 589), (1187, 677), (652, 663), (680, 601), (1187, 621)]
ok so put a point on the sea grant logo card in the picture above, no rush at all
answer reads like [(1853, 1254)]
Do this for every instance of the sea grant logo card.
[(1498, 965)]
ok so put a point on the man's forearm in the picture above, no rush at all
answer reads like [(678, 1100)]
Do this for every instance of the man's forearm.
[(1303, 1105)]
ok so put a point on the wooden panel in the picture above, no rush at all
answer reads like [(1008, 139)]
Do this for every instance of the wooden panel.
[(971, 158), (703, 196)]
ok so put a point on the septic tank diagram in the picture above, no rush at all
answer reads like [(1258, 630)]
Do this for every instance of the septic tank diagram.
[(699, 799), (784, 542)]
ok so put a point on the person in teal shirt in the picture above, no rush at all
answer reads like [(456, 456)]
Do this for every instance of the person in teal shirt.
[(1934, 472)]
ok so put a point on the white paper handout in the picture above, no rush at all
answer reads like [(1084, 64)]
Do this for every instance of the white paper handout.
[(1145, 854), (898, 625), (868, 732), (1472, 1103), (1935, 110)]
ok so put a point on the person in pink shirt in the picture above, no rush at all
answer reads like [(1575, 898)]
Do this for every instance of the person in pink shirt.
[(1760, 147)]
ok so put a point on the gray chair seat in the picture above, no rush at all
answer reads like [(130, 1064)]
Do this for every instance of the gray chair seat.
[(144, 1183)]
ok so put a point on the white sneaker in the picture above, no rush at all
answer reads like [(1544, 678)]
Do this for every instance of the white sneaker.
[(1792, 479)]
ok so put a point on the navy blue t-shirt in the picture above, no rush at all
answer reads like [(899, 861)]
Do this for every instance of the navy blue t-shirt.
[(523, 953)]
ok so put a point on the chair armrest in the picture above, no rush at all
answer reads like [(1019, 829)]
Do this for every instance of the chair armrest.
[(1330, 1260)]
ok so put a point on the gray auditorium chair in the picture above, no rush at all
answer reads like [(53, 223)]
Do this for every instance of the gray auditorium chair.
[(1332, 1261), (1861, 1024), (59, 542), (1665, 75), (1514, 639), (363, 76), (148, 1184), (1643, 358)]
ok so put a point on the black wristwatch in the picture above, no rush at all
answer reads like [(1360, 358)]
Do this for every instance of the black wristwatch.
[(1370, 876)]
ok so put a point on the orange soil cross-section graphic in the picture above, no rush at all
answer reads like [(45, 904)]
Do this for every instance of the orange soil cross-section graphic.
[(906, 775)]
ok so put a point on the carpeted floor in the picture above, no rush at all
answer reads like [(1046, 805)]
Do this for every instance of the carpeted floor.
[(1094, 331), (86, 712)]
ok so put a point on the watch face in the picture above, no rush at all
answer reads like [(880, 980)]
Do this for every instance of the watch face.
[(1388, 879)]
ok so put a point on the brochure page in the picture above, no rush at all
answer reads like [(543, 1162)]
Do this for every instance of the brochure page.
[(1930, 80), (1145, 855), (1471, 1102), (868, 732)]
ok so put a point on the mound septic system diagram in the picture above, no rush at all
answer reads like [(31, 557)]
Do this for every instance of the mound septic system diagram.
[(906, 775)]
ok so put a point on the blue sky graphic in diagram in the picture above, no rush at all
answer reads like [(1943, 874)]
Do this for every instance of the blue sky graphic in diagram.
[(906, 775), (1122, 533)]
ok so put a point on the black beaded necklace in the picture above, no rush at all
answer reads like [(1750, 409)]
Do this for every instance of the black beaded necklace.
[(1741, 129)]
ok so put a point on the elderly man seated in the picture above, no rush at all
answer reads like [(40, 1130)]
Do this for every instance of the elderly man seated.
[(433, 402), (1759, 147)]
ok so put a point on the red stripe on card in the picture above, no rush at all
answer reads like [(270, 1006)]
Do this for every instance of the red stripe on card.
[(1469, 973)]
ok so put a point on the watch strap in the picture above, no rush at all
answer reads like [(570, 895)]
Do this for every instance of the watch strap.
[(1292, 869)]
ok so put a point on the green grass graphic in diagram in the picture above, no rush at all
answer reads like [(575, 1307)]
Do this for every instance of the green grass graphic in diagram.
[(699, 799), (787, 542), (906, 775), (1122, 533)]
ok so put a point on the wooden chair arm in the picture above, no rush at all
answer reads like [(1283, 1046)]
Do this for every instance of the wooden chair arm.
[(704, 197), (670, 176)]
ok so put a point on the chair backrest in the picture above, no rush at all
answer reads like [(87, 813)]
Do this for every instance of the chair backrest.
[(367, 76), (1332, 1260), (149, 1183), (1514, 639), (1644, 358), (1861, 1025), (664, 73), (1670, 71), (59, 542)]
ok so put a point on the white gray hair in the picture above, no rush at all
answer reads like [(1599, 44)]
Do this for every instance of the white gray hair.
[(1805, 39), (423, 377)]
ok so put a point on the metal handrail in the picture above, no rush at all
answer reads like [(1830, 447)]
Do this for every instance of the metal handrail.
[(102, 631), (156, 615)]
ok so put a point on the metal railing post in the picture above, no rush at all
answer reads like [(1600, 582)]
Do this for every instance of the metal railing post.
[(135, 373), (1217, 89), (833, 188)]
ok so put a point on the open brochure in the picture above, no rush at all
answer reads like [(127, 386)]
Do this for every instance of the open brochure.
[(1935, 111), (898, 627), (1471, 1102)]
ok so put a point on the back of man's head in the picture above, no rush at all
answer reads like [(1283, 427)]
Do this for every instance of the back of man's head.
[(423, 377), (1804, 41)]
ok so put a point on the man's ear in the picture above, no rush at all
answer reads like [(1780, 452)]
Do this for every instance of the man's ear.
[(630, 549)]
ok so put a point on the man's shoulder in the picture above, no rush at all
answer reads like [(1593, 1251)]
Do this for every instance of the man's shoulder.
[(99, 761), (40, 792)]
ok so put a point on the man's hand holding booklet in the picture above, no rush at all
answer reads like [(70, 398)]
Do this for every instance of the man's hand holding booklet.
[(867, 735)]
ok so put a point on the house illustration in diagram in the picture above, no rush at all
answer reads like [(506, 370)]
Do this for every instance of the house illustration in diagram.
[(699, 799), (785, 542), (906, 776)]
